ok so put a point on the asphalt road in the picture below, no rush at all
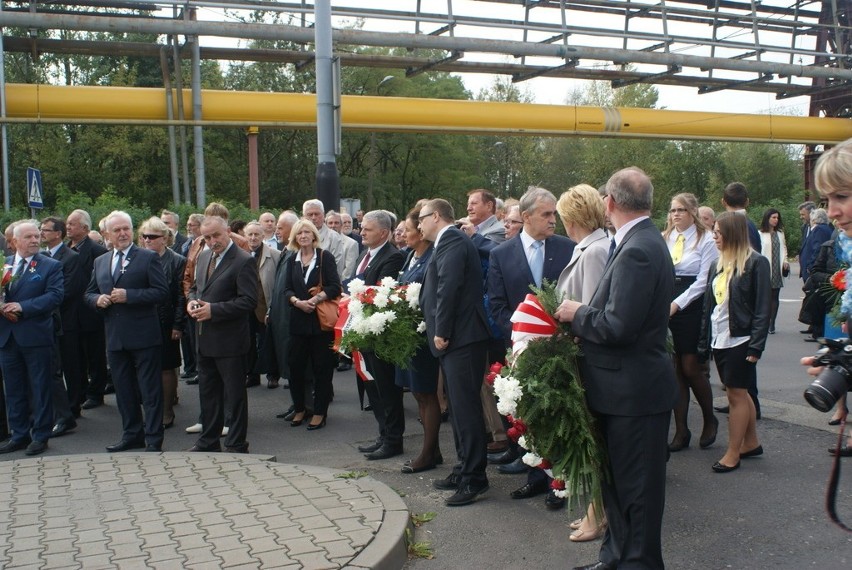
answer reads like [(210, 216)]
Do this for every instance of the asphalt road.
[(768, 514)]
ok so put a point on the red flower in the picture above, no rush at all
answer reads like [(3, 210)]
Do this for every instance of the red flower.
[(557, 485), (489, 378), (513, 434), (545, 464), (838, 280), (496, 368), (520, 426), (510, 418), (7, 276)]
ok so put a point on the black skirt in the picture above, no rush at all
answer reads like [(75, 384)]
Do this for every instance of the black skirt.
[(686, 323)]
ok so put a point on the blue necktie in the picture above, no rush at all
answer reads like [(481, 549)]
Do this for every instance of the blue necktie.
[(611, 251), (116, 273), (537, 262)]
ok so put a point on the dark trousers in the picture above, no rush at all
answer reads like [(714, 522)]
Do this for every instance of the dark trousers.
[(137, 377), (222, 390), (635, 498), (464, 370), (312, 352), (259, 338), (384, 389), (187, 345), (93, 363), (60, 392), (70, 350), (27, 377)]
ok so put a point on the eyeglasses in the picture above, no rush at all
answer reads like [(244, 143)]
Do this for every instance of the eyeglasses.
[(424, 216), (150, 237), (678, 211), (514, 222), (717, 233)]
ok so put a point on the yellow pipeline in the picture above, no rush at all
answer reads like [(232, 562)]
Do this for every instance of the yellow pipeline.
[(34, 103)]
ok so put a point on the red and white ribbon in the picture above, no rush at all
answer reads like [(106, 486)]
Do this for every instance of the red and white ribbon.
[(361, 367), (344, 321), (529, 322)]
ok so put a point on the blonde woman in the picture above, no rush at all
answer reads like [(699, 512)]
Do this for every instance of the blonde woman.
[(584, 217), (693, 254), (734, 327)]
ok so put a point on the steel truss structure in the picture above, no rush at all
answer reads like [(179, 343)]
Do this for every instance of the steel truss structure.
[(787, 47)]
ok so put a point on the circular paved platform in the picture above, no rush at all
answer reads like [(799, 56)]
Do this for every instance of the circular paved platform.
[(193, 510)]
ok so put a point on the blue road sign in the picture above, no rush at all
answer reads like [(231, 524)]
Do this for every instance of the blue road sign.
[(34, 189)]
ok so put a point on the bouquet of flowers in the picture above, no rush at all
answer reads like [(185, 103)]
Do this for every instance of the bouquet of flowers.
[(834, 290), (543, 398), (385, 319), (7, 279)]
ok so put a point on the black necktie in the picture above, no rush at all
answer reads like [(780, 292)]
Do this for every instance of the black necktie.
[(48, 254), (611, 251), (116, 273)]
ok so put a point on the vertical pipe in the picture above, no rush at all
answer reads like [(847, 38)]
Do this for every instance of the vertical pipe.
[(197, 135), (254, 184), (328, 187), (3, 139), (173, 165), (184, 153)]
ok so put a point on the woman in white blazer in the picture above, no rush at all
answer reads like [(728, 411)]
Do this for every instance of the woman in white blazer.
[(584, 217), (774, 248)]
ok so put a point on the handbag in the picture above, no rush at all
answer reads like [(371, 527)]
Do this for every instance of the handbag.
[(327, 311), (785, 270)]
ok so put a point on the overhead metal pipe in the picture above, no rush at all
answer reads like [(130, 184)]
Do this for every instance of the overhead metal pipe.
[(135, 105), (411, 41)]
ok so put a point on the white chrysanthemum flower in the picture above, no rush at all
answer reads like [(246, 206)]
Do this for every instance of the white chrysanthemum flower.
[(380, 300), (531, 459), (412, 295), (356, 308), (394, 298), (388, 282), (356, 286), (522, 441), (507, 407), (421, 328), (561, 493)]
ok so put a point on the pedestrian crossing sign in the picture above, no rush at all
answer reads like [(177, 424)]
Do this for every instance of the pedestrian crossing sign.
[(34, 189)]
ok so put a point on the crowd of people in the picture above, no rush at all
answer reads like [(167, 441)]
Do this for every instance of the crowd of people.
[(88, 311)]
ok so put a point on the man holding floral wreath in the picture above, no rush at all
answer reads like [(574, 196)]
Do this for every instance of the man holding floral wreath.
[(628, 374)]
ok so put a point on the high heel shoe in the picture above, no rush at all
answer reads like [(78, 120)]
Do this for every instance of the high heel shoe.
[(312, 427), (836, 421), (709, 439), (297, 422), (682, 443)]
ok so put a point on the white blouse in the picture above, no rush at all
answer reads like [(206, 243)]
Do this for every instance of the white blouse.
[(698, 257)]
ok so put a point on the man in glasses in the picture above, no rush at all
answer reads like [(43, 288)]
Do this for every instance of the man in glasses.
[(126, 286), (67, 395)]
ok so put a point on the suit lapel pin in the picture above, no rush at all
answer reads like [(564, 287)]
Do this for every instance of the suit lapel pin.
[(32, 266)]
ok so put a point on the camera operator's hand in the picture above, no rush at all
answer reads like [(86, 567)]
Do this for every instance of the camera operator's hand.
[(812, 370)]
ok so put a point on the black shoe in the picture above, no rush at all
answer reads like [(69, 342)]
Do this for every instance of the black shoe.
[(11, 445), (271, 384), (154, 447), (678, 444), (530, 490), (125, 445), (344, 366), (386, 451), (845, 451), (806, 331), (370, 447), (596, 566), (710, 438), (188, 374), (502, 458), (170, 424), (810, 339), (192, 381), (212, 449), (312, 427), (62, 428), (722, 409), (368, 408), (445, 417), (288, 415), (408, 469), (252, 381), (237, 448), (466, 494), (720, 468), (92, 403), (552, 502), (36, 448), (109, 389), (450, 483), (516, 467), (753, 453)]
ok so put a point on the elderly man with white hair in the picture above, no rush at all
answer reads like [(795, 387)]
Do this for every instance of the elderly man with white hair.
[(330, 240)]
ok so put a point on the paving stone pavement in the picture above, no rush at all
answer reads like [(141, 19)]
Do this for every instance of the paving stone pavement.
[(194, 510)]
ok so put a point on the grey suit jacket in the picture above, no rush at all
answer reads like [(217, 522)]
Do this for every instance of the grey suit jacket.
[(493, 229), (232, 292), (626, 368)]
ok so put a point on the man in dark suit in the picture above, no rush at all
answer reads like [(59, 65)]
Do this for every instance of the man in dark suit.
[(628, 373), (533, 255), (172, 220), (221, 300), (127, 286), (27, 337), (69, 386), (381, 259), (457, 332), (90, 322)]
